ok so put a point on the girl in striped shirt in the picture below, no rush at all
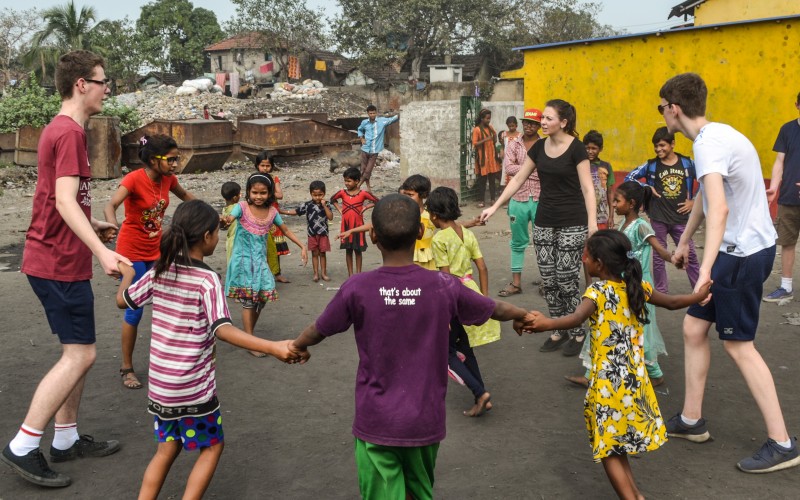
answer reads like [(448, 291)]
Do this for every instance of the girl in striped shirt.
[(189, 313)]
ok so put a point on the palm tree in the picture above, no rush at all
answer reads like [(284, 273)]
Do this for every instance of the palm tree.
[(65, 30)]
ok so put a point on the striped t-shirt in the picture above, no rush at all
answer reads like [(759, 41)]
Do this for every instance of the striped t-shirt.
[(188, 307)]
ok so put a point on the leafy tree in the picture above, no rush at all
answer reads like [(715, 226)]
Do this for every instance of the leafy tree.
[(128, 116), (173, 34), (119, 43), (16, 31), (27, 104), (381, 33), (287, 26)]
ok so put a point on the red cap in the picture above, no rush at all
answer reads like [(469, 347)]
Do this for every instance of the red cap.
[(533, 115)]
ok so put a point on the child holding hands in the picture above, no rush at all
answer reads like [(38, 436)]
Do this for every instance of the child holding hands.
[(621, 411), (401, 314), (189, 313)]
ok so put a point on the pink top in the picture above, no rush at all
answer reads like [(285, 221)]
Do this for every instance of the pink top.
[(515, 157)]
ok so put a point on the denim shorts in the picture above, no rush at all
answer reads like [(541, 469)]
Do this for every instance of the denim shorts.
[(69, 306), (736, 294)]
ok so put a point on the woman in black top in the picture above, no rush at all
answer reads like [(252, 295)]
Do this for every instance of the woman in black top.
[(564, 218)]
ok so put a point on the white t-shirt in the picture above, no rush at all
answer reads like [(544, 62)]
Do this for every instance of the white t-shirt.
[(720, 148)]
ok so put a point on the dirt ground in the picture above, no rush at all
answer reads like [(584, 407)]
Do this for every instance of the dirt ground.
[(287, 427)]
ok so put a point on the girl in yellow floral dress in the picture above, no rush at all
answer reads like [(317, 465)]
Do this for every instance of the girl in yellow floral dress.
[(455, 248), (621, 410)]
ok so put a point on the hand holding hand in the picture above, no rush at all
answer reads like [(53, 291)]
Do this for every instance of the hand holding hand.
[(681, 255), (301, 354), (487, 212)]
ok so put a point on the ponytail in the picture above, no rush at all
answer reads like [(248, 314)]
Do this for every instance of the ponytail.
[(174, 247), (191, 222), (633, 285)]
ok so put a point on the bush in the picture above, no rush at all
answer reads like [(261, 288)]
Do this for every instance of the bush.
[(27, 104), (128, 116)]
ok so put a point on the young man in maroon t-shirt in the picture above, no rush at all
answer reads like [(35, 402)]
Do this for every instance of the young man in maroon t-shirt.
[(62, 221)]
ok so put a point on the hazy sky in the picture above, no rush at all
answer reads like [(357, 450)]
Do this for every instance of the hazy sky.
[(634, 16)]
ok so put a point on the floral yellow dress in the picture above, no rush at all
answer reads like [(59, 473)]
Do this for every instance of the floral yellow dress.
[(449, 250), (423, 249), (621, 410)]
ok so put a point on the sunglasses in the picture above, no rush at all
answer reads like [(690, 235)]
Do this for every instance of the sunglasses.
[(168, 159), (104, 81), (662, 107)]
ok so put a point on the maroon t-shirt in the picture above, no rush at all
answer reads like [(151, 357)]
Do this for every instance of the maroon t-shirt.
[(52, 250), (401, 317)]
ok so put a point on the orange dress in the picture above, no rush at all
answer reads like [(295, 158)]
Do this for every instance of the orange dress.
[(485, 154)]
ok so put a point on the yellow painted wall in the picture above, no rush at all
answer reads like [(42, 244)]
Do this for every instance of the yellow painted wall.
[(728, 11), (752, 72)]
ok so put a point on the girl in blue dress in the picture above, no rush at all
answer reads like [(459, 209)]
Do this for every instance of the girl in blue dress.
[(248, 278)]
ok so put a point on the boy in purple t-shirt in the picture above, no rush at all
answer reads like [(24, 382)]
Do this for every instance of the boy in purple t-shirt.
[(401, 313)]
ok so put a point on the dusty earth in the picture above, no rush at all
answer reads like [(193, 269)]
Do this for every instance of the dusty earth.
[(288, 427)]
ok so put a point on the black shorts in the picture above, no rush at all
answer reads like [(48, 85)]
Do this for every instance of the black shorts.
[(736, 294), (69, 306)]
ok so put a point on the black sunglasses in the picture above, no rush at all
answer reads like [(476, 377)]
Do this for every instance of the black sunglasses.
[(104, 81), (662, 107)]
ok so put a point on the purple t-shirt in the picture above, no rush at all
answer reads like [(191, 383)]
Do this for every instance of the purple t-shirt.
[(401, 317)]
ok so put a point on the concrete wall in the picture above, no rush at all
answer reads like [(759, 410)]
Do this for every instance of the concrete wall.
[(750, 69), (508, 90), (430, 138), (727, 11), (398, 95), (430, 141)]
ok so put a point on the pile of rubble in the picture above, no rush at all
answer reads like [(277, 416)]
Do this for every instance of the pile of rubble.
[(165, 103)]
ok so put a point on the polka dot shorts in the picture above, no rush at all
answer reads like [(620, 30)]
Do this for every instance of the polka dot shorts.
[(194, 432)]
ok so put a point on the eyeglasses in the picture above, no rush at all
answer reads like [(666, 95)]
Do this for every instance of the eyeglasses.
[(104, 81), (168, 159), (662, 107)]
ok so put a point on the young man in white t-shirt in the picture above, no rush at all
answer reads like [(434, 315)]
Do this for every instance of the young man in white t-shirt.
[(738, 256)]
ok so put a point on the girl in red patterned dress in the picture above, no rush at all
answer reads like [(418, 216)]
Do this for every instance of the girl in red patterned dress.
[(352, 211)]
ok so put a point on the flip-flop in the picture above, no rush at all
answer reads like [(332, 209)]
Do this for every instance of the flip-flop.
[(507, 292), (129, 383)]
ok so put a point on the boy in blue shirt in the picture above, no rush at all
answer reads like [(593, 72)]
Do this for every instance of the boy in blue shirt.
[(371, 132)]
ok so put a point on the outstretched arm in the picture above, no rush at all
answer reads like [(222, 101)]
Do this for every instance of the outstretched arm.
[(234, 336), (661, 251), (673, 302), (308, 337), (542, 323), (289, 234)]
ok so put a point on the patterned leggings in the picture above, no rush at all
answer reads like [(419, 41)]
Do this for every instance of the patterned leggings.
[(558, 252)]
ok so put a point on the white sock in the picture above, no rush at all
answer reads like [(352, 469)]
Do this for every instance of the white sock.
[(689, 421), (65, 437), (785, 444), (786, 284), (26, 440)]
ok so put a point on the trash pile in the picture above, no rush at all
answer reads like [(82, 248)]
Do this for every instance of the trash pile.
[(186, 102)]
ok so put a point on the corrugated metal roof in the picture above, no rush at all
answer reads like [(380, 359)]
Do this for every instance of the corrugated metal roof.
[(589, 41)]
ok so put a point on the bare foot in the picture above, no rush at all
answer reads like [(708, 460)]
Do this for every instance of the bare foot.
[(257, 354), (325, 277), (315, 278), (578, 380), (480, 406), (281, 279)]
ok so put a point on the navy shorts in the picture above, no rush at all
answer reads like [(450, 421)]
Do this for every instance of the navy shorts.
[(736, 294), (69, 306)]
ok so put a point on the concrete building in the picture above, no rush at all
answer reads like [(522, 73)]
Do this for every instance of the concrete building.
[(746, 51)]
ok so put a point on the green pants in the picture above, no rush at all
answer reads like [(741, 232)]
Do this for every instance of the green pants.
[(391, 472), (520, 215)]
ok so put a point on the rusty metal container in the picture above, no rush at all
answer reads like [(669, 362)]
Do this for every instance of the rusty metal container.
[(8, 145), (204, 145), (105, 147), (292, 137), (25, 147)]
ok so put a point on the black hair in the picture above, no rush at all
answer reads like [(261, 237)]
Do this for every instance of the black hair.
[(566, 111), (190, 223), (443, 203), (481, 114), (371, 107), (613, 249), (417, 183), (259, 178), (593, 137), (352, 173), (230, 189), (663, 134), (264, 155), (638, 194), (395, 220), (316, 185), (511, 119), (155, 145)]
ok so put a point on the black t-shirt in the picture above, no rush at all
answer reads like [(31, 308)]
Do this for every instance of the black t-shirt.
[(561, 202), (670, 183)]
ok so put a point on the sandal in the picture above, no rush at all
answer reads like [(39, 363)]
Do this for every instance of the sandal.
[(129, 379), (509, 290)]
